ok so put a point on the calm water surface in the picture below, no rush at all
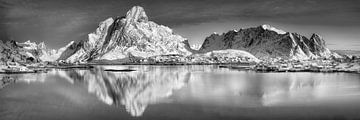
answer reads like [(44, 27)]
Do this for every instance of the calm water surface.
[(178, 92)]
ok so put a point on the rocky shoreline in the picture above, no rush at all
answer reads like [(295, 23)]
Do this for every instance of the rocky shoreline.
[(328, 66)]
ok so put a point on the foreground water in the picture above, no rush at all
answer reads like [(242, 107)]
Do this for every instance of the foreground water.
[(178, 92)]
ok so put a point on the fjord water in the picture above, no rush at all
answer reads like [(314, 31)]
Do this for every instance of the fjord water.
[(179, 92)]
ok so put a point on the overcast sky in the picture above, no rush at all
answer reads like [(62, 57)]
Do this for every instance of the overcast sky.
[(58, 22)]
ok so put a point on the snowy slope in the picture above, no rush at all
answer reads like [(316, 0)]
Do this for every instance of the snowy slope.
[(271, 28), (223, 56), (231, 53), (195, 46)]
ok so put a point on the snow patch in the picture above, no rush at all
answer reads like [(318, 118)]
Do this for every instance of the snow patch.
[(271, 28), (195, 46), (232, 53)]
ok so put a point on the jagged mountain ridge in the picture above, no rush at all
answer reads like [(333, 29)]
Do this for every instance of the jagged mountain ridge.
[(268, 42), (118, 38), (51, 55), (26, 52), (348, 53)]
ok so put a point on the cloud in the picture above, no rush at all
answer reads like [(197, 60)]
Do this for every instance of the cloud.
[(54, 20)]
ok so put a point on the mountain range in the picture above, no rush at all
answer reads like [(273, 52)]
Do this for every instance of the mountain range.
[(134, 35), (269, 42)]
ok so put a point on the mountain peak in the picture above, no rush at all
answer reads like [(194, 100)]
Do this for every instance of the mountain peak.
[(136, 14), (28, 41), (271, 28), (314, 35)]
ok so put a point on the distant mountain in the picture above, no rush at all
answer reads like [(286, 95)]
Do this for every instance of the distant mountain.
[(130, 35), (52, 54), (28, 52), (348, 53), (269, 42)]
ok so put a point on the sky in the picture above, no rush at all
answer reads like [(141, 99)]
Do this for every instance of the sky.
[(57, 22)]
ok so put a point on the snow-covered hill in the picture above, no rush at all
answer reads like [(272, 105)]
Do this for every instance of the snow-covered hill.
[(133, 34), (269, 42)]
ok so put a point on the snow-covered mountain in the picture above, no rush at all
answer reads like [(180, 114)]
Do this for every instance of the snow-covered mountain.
[(11, 51), (53, 54), (130, 35), (40, 52), (269, 42)]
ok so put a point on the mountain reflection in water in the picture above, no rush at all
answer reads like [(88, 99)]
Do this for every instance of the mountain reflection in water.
[(205, 86), (135, 90), (7, 79)]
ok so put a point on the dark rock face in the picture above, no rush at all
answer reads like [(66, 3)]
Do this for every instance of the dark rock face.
[(317, 44), (71, 50), (266, 43)]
